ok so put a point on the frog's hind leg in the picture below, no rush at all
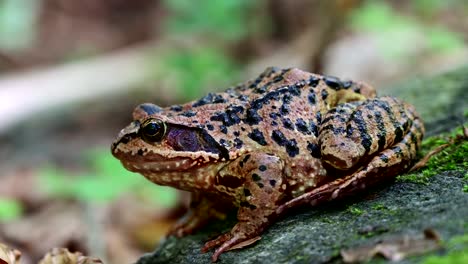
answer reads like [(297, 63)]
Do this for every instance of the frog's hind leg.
[(353, 132), (383, 164)]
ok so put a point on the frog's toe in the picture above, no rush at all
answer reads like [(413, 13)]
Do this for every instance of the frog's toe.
[(227, 241), (216, 242)]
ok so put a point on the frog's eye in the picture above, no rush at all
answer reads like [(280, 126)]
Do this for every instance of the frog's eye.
[(153, 130)]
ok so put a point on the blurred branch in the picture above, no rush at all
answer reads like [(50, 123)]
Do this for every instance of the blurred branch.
[(7, 62), (24, 94)]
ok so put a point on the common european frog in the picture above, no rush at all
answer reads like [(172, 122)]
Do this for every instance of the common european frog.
[(284, 139)]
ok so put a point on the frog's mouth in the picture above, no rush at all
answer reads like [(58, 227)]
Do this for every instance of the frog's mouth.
[(164, 161)]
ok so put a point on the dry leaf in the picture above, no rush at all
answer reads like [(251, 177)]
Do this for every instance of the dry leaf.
[(9, 255), (394, 249), (62, 255)]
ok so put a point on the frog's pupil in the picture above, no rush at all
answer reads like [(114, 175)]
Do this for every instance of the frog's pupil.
[(152, 129)]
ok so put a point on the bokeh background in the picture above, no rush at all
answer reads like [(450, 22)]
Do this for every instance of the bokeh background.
[(72, 71)]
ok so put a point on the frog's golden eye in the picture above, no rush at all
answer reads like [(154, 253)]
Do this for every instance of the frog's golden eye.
[(153, 130)]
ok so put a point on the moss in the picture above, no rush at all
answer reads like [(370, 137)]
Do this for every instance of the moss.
[(451, 258), (379, 207), (327, 220), (457, 252), (454, 157), (414, 178), (355, 210)]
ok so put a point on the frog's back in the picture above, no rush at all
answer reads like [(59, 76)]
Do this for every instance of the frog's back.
[(279, 111)]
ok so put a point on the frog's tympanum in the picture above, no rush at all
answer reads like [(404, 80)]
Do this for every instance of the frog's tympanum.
[(284, 139)]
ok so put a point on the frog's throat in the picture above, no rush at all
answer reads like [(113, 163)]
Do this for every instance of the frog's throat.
[(159, 161), (184, 174)]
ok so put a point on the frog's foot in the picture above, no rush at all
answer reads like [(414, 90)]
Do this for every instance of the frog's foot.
[(231, 240), (383, 165), (216, 242), (227, 242)]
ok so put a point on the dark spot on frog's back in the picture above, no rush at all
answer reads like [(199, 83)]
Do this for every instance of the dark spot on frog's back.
[(284, 109), (252, 117), (223, 129), (273, 115), (149, 108), (278, 137), (243, 98), (311, 98), (302, 126), (261, 90), (333, 82), (287, 123), (278, 78), (189, 113), (209, 99), (238, 143), (230, 117), (176, 108), (257, 136), (291, 148), (313, 81), (314, 150)]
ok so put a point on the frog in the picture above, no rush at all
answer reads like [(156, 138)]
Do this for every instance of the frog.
[(284, 139)]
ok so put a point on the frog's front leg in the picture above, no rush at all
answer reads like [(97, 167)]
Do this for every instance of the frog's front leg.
[(201, 210), (369, 142), (257, 198)]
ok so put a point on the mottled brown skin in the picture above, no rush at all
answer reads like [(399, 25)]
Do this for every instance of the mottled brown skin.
[(284, 139)]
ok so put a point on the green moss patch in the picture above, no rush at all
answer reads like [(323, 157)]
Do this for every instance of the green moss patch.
[(452, 158), (457, 252)]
